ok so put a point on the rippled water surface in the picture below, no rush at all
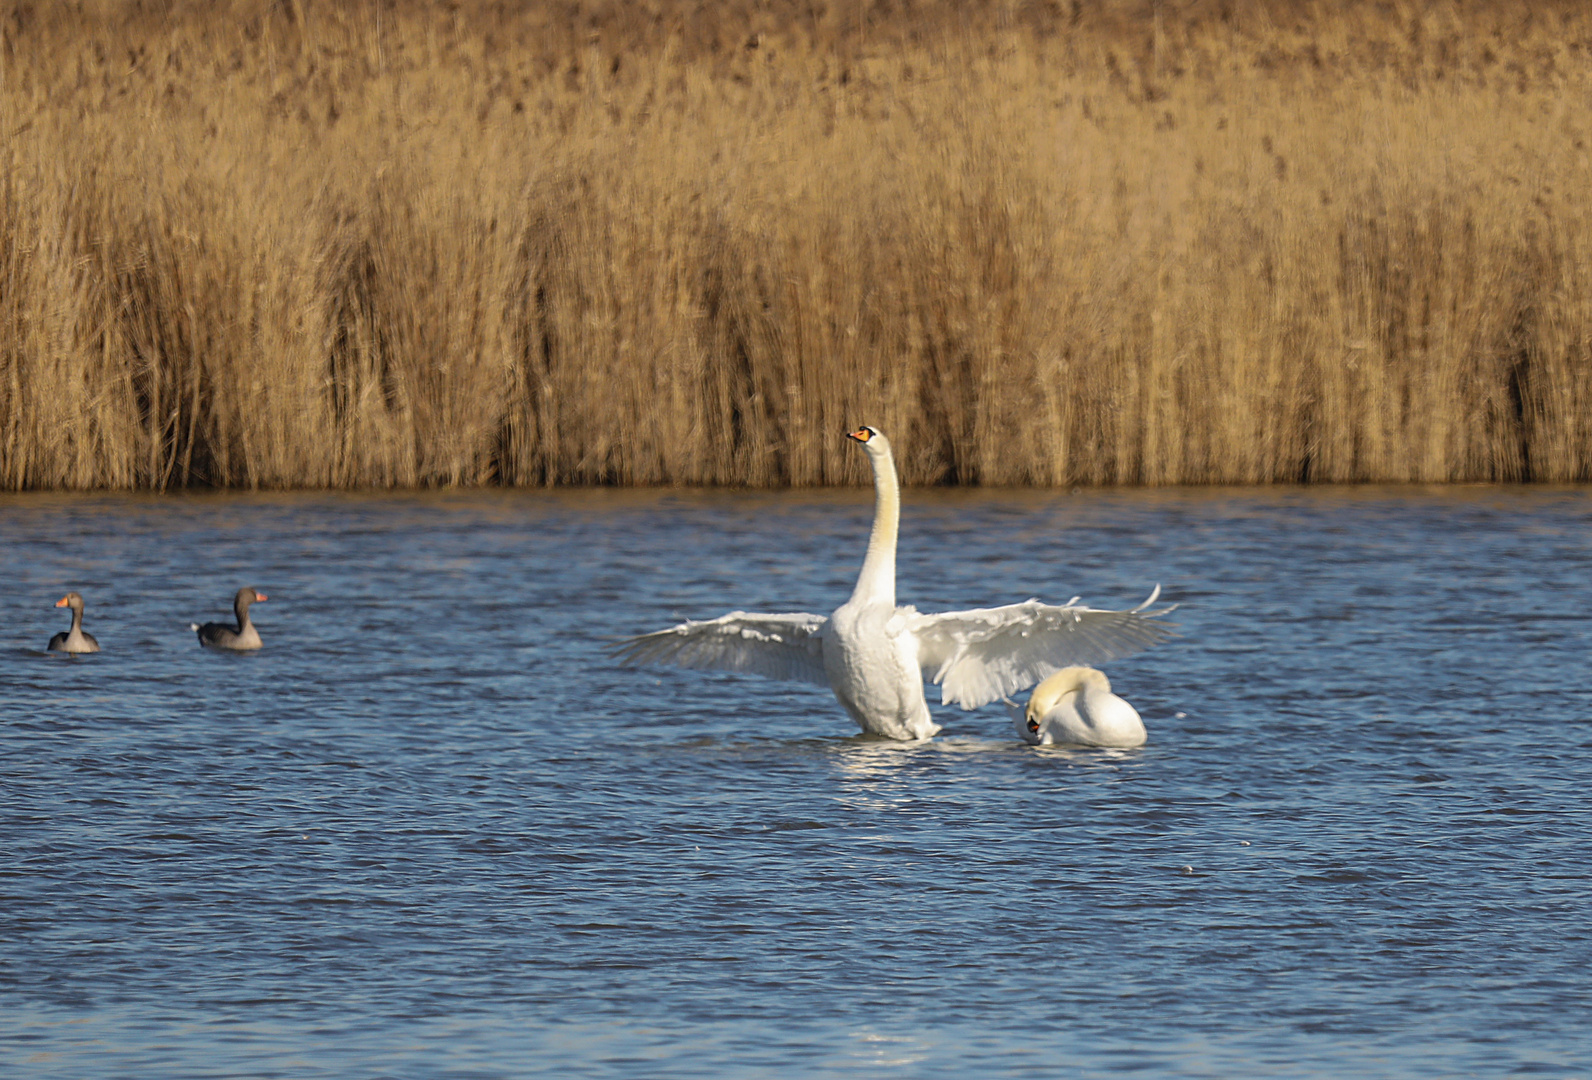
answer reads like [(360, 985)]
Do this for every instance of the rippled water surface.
[(430, 830)]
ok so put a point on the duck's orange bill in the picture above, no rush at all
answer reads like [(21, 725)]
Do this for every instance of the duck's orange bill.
[(61, 602), (258, 597)]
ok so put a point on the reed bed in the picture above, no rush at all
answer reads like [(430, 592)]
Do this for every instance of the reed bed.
[(301, 244)]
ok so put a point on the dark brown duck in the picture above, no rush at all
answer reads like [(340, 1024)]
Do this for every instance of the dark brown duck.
[(240, 638)]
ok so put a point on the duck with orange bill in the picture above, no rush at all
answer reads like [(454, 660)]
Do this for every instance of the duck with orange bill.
[(76, 640), (241, 638)]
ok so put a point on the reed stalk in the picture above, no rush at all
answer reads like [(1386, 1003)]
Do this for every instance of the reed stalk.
[(388, 244)]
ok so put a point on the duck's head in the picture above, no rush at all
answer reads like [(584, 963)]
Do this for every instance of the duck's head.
[(247, 596), (71, 600), (1053, 689)]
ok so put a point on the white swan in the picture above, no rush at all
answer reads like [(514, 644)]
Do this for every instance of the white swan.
[(875, 656), (1075, 707)]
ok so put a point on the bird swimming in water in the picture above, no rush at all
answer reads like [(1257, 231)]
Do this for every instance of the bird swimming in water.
[(75, 640), (1075, 707), (875, 656), (244, 636)]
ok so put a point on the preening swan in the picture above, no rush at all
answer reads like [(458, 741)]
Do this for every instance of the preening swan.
[(875, 655), (1075, 707), (75, 640), (221, 636)]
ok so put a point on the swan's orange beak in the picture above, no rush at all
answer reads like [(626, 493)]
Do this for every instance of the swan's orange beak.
[(861, 434), (258, 597), (61, 602), (1033, 725)]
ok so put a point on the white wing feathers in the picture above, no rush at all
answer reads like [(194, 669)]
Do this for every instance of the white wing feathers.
[(774, 646), (983, 655)]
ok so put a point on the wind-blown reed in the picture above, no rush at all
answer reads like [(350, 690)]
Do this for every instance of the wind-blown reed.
[(378, 244)]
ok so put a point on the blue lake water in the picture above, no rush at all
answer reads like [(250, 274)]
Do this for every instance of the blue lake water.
[(431, 830)]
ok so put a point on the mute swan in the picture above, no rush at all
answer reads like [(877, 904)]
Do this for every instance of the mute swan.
[(221, 636), (875, 655), (75, 640), (1075, 707)]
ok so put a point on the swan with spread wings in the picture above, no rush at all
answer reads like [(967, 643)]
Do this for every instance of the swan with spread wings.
[(875, 655)]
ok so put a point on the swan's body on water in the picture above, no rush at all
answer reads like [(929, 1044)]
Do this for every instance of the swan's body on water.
[(875, 656), (75, 640), (1075, 707)]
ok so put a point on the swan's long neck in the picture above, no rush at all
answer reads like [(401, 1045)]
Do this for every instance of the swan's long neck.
[(876, 582)]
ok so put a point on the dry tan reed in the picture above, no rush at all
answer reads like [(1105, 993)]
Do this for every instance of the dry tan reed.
[(377, 244)]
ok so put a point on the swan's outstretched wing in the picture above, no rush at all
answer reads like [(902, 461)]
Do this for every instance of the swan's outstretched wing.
[(983, 655), (775, 646)]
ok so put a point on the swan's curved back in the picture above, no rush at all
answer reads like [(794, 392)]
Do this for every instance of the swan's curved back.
[(1063, 682)]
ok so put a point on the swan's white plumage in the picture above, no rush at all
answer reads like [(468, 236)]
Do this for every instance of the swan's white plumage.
[(774, 646), (980, 656), (1075, 707), (875, 655)]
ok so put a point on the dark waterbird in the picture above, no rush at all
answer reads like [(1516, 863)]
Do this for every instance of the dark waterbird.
[(75, 640), (240, 639)]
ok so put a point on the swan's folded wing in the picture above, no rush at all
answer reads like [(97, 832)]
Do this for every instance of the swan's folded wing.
[(980, 656), (775, 646)]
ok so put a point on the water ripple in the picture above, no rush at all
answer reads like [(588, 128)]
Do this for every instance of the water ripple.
[(431, 830)]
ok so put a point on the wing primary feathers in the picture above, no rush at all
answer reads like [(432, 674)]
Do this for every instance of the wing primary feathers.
[(784, 646), (1148, 600), (982, 655)]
